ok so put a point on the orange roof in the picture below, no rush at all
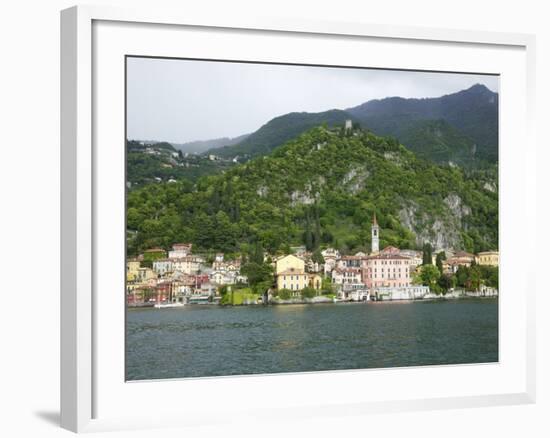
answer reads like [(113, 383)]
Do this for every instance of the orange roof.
[(387, 256)]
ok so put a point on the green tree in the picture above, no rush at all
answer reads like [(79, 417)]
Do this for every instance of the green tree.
[(429, 275), (257, 255), (446, 282), (258, 274), (439, 258), (427, 254), (284, 294), (317, 257), (308, 292), (474, 278)]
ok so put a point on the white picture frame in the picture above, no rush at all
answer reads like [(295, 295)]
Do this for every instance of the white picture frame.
[(88, 385)]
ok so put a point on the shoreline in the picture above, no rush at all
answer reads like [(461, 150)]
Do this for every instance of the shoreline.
[(312, 301)]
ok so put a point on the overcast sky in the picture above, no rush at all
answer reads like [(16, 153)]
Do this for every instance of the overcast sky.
[(179, 101)]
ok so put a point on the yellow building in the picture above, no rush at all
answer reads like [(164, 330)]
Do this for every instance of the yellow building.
[(290, 273), (145, 274), (488, 258), (297, 280), (132, 269), (288, 263), (315, 281), (292, 279)]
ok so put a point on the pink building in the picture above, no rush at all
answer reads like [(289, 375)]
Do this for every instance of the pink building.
[(386, 270)]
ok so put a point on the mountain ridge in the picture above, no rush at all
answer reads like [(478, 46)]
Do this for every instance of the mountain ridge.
[(472, 112)]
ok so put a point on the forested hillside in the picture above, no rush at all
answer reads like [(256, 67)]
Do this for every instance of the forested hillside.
[(161, 162), (322, 189)]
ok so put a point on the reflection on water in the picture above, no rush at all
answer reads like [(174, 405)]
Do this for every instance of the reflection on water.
[(210, 341)]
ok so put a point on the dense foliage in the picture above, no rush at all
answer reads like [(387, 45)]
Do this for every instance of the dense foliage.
[(473, 112), (159, 162), (321, 189), (280, 130), (469, 278)]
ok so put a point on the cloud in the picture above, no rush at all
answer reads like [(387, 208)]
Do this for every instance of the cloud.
[(183, 100)]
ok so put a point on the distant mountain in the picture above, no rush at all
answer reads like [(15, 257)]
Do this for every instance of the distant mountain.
[(461, 127), (473, 113), (280, 130), (200, 146)]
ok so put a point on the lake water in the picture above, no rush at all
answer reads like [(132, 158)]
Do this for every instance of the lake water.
[(211, 340)]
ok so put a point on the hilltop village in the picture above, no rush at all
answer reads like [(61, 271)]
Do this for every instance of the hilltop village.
[(178, 277)]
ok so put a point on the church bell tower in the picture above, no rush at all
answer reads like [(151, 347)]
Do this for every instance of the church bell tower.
[(375, 235)]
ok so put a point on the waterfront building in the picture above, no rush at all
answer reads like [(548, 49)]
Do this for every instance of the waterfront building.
[(289, 263), (346, 275), (353, 292), (315, 281), (206, 289), (488, 258), (414, 292), (163, 292), (386, 270), (139, 295), (182, 291), (297, 280), (199, 279)]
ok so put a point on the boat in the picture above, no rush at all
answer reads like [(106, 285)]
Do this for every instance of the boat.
[(168, 305)]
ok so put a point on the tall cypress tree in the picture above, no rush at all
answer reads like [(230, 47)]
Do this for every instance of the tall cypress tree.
[(427, 254)]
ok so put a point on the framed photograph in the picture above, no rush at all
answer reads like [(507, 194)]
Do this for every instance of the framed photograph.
[(260, 208)]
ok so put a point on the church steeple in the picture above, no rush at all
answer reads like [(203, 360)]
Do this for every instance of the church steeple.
[(375, 235)]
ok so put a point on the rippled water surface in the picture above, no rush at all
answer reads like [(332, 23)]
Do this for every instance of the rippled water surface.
[(212, 341)]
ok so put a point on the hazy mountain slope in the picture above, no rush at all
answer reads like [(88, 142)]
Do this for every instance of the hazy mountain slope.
[(473, 112), (200, 146), (278, 131)]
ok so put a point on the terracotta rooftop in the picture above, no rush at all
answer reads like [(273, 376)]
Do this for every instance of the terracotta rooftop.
[(387, 257)]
